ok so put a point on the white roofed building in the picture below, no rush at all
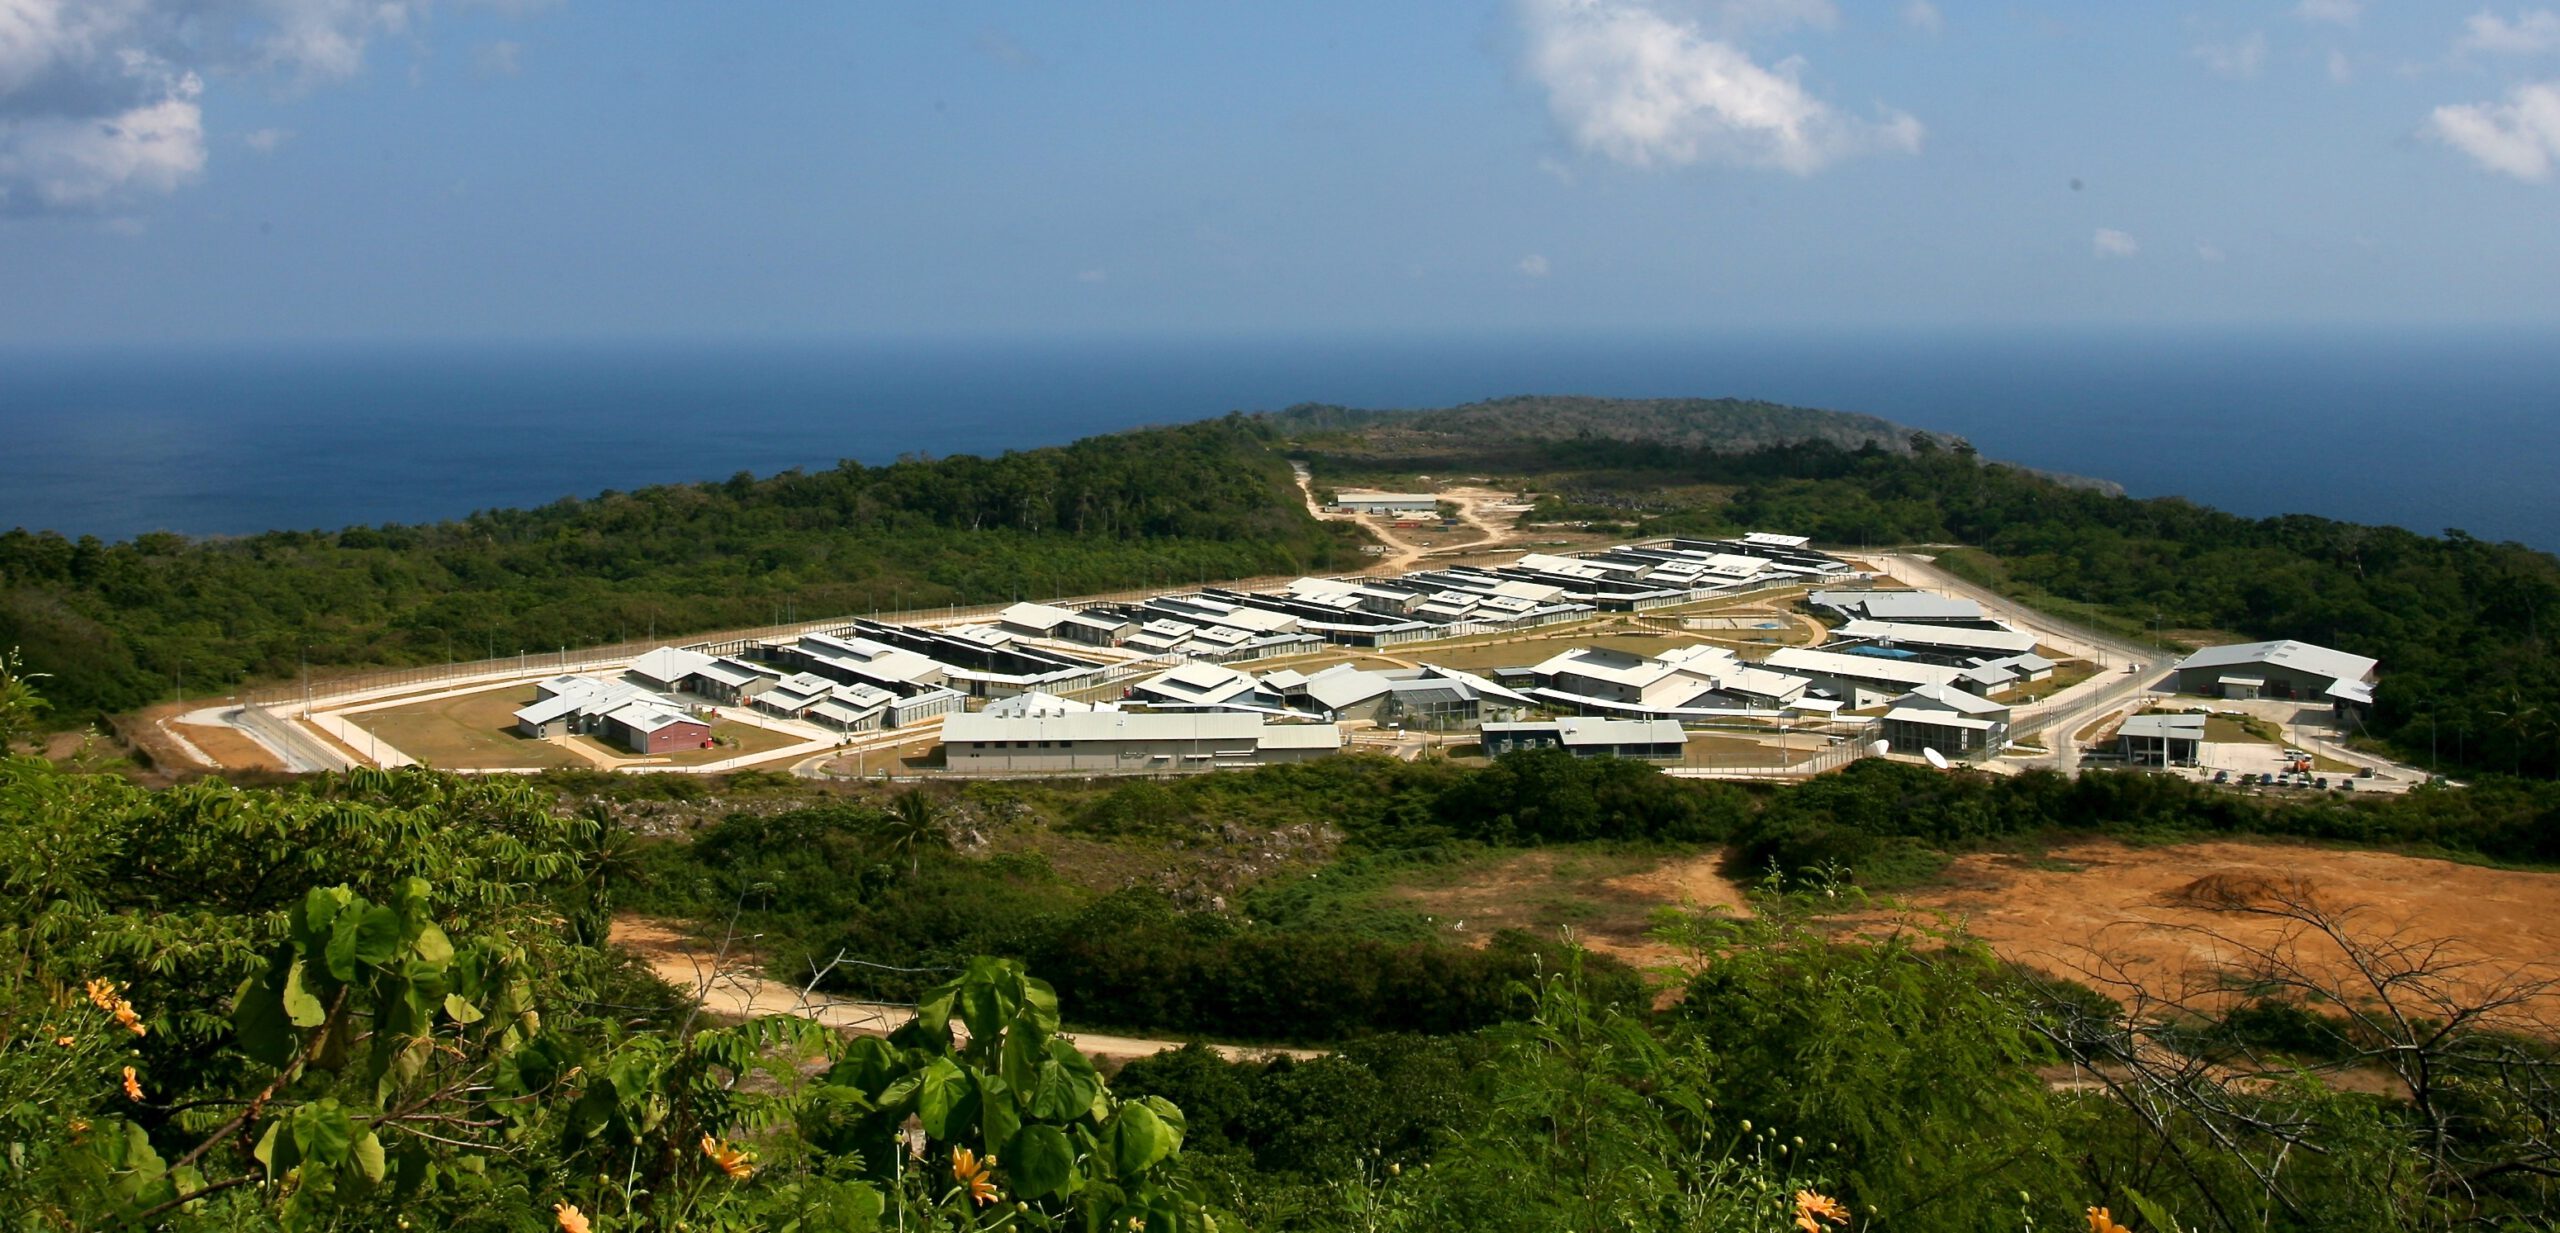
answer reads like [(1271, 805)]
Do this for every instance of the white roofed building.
[(1127, 742), (2282, 669)]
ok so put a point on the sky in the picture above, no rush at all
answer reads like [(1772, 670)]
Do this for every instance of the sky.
[(281, 170)]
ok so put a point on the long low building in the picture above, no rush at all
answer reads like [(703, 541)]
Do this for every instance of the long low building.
[(1128, 742), (1654, 740), (1860, 681), (1954, 640)]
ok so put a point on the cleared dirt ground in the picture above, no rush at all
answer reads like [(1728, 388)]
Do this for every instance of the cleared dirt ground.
[(2059, 912), (2064, 911)]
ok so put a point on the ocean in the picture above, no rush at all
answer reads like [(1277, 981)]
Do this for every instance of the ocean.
[(2423, 430)]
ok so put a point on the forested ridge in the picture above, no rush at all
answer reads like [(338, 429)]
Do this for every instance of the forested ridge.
[(119, 625)]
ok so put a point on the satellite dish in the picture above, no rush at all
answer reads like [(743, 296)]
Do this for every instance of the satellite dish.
[(1935, 758), (1883, 748)]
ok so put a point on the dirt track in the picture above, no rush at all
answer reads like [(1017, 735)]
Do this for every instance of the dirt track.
[(731, 988)]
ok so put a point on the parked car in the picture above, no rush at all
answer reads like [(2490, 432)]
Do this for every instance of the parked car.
[(2346, 785), (2222, 776), (2321, 783)]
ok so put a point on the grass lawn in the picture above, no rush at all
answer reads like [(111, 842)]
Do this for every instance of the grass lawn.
[(1710, 750), (476, 731), (731, 740), (465, 732)]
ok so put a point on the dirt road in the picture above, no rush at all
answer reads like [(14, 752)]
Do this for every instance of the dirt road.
[(730, 987)]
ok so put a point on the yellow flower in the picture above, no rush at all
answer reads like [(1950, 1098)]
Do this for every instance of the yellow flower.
[(571, 1219), (972, 1174), (132, 1086), (2101, 1222), (66, 1041), (1813, 1208), (733, 1160)]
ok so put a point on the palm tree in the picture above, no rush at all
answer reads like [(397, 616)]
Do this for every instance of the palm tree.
[(914, 822)]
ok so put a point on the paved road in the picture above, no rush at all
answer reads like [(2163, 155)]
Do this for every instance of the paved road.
[(2062, 716)]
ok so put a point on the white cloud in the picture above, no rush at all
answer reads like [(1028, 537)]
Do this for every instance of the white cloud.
[(1923, 16), (503, 58), (2112, 244), (1553, 166), (2238, 60), (2519, 137), (1096, 275), (1632, 84), (2334, 12), (2210, 254), (53, 163), (1534, 266), (100, 100), (266, 140), (2341, 69), (2532, 32)]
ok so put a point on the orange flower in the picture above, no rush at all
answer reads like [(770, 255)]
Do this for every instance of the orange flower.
[(132, 1086), (102, 994), (973, 1174), (66, 1041), (571, 1219), (1812, 1208), (733, 1160), (2101, 1222)]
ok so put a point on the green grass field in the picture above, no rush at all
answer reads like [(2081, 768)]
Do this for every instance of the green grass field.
[(476, 731)]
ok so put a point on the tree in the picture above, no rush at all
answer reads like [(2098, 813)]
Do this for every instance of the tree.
[(915, 821)]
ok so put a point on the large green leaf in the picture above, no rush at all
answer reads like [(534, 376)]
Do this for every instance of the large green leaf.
[(299, 1004), (322, 1131), (1040, 1160), (432, 945), (943, 1100), (258, 1020), (999, 1113), (377, 936), (1139, 1139), (367, 1157)]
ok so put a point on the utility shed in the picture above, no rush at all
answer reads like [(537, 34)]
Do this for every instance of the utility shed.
[(646, 728), (2161, 740)]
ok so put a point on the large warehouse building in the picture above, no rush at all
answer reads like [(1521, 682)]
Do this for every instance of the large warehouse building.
[(2284, 669)]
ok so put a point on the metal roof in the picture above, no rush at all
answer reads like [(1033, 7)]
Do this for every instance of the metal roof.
[(668, 665), (1106, 726), (1937, 719), (2181, 727), (2286, 653), (2004, 641)]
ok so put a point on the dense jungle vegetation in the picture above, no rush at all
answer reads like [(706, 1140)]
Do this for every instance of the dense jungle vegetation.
[(120, 625), (379, 1000), (2469, 677)]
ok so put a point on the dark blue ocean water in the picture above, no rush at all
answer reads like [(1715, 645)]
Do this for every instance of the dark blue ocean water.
[(2423, 430)]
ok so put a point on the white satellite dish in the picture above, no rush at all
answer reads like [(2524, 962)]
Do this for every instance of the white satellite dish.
[(1883, 748), (1935, 758)]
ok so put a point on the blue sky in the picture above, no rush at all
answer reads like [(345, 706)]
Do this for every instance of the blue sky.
[(326, 169)]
